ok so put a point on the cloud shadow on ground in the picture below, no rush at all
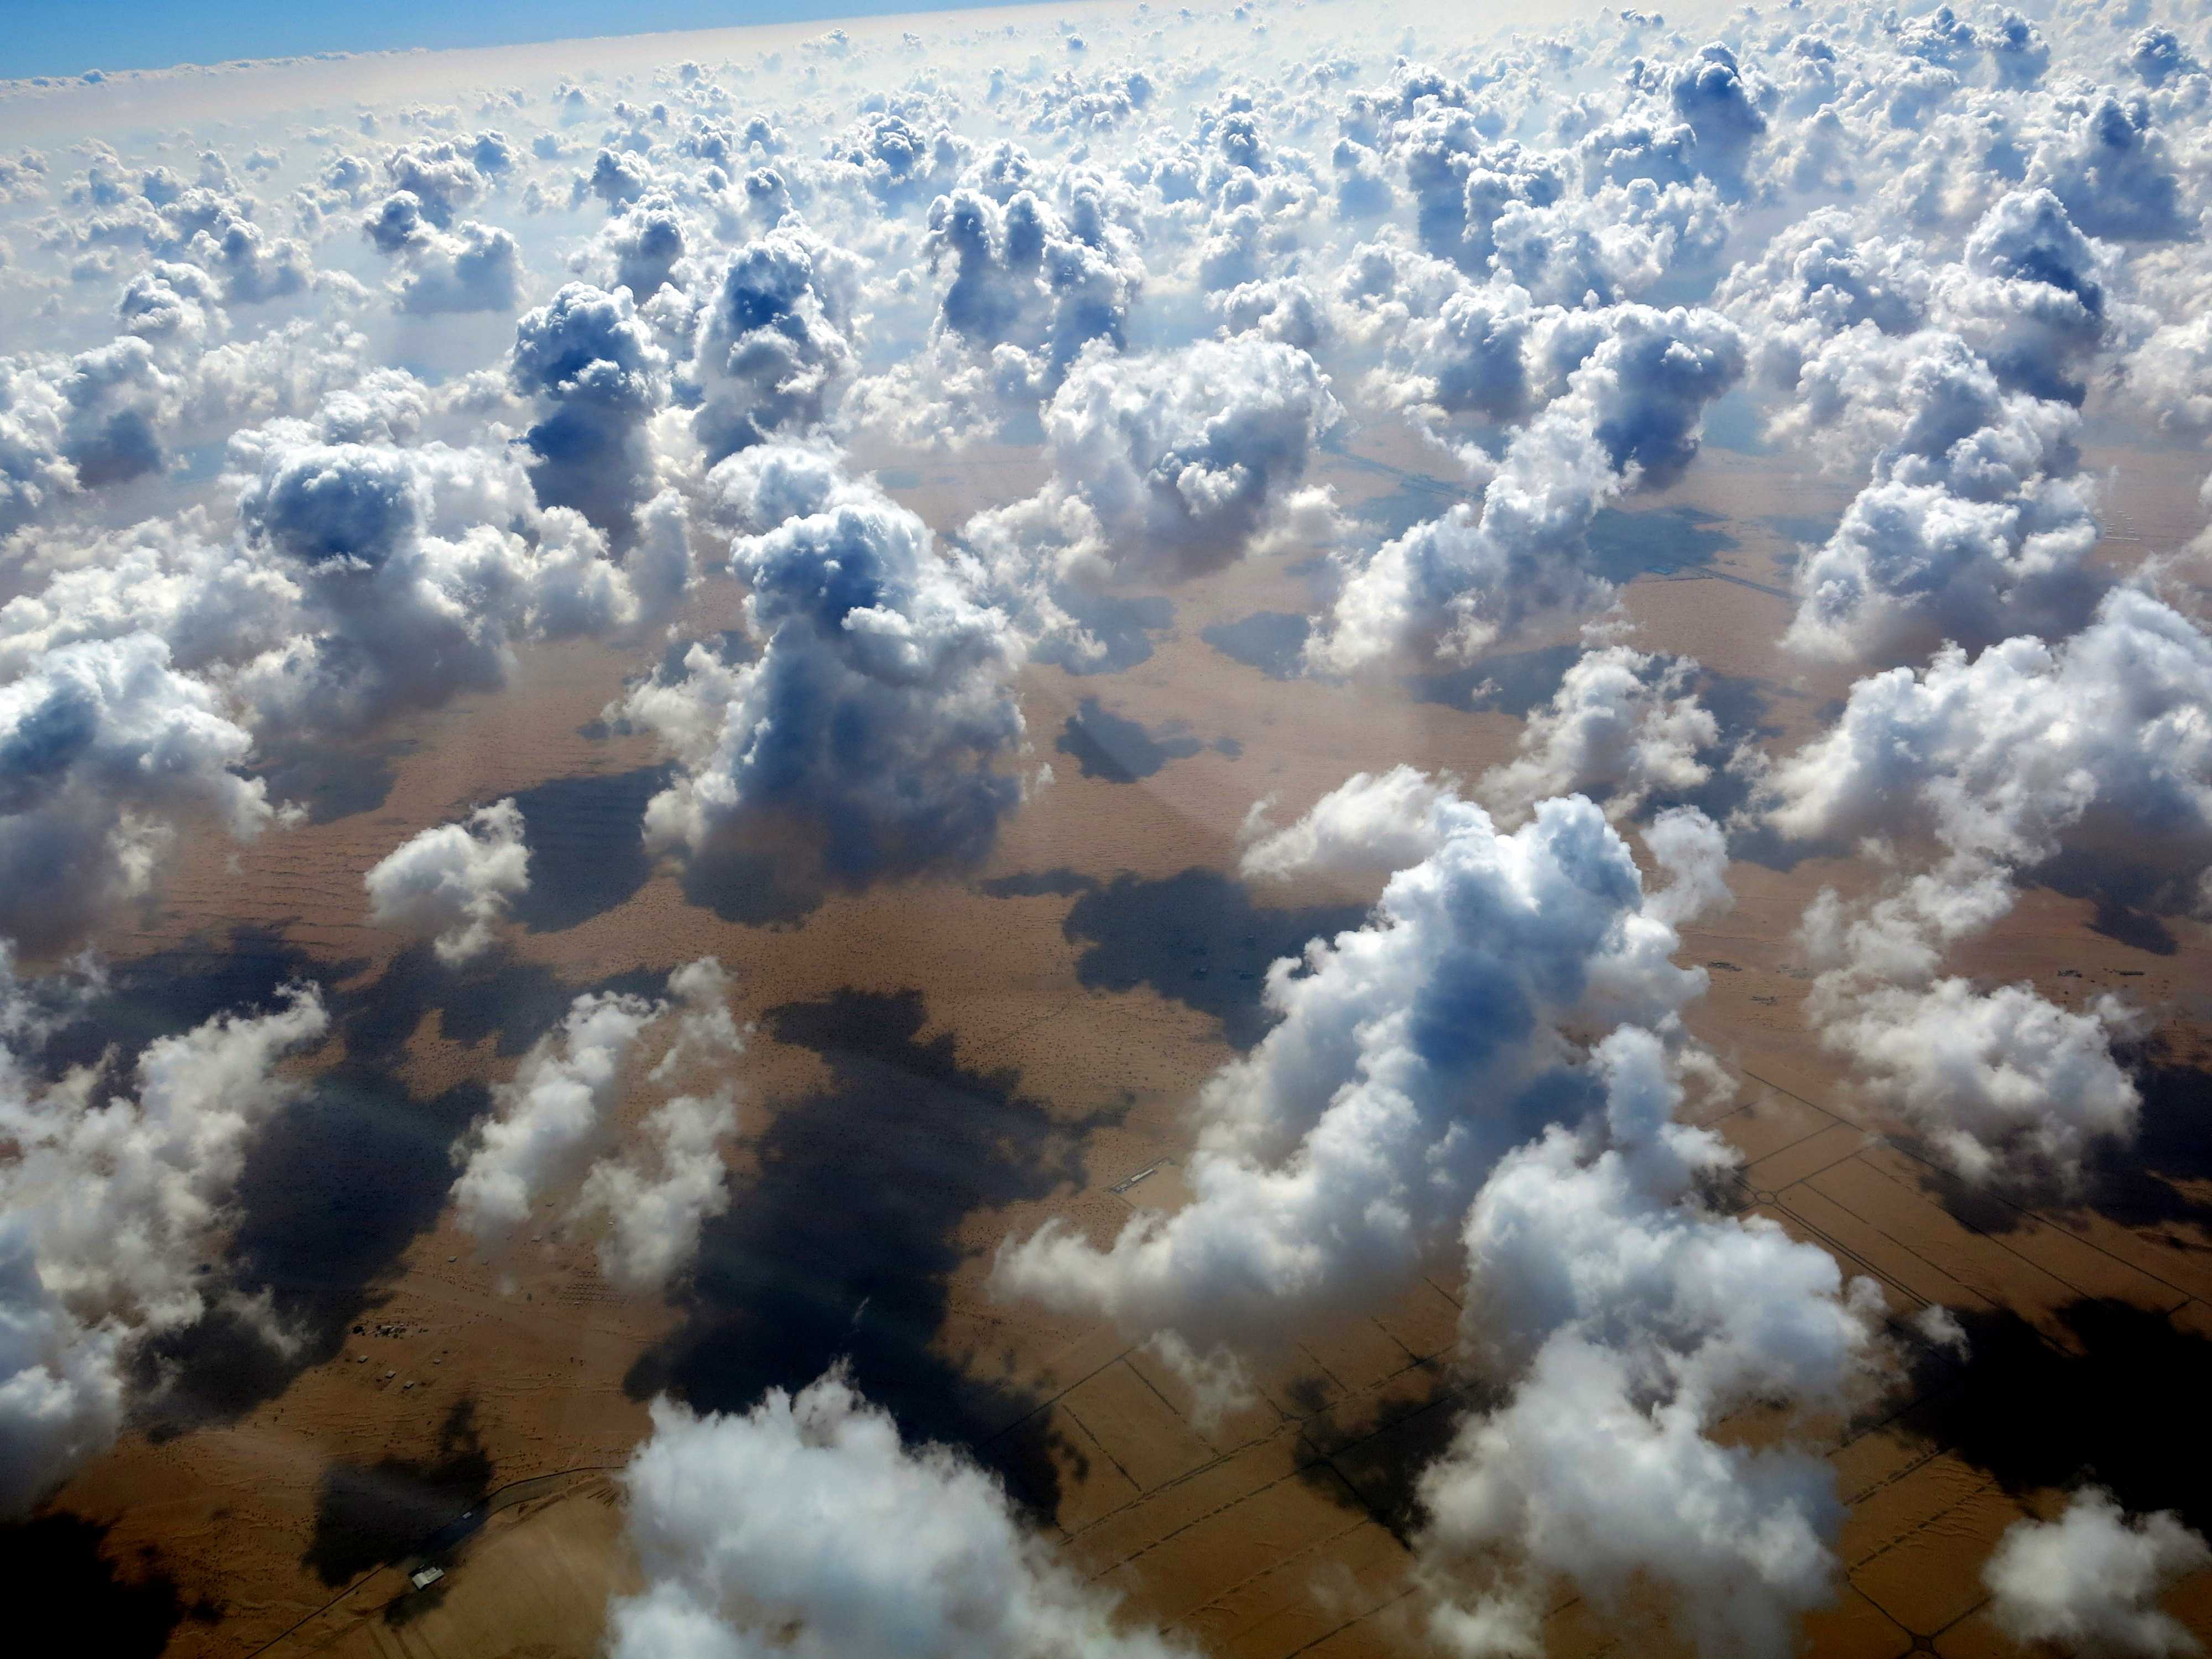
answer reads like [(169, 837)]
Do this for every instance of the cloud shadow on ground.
[(844, 1244), (379, 1514), (586, 838), (337, 1185), (1104, 744), (1196, 937), (2124, 1410), (57, 1566)]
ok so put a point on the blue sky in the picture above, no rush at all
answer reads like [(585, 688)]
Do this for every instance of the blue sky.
[(67, 37)]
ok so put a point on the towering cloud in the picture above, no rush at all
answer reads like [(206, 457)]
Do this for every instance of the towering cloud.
[(878, 709), (587, 357), (772, 346), (1408, 1056)]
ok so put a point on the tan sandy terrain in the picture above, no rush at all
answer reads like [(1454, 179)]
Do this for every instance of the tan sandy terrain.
[(941, 1063)]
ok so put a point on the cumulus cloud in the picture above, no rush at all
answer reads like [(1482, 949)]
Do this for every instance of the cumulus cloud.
[(773, 345), (808, 1526), (117, 1194), (878, 707), (2011, 753), (1406, 1057), (587, 357), (2008, 1088), (1633, 1318), (554, 1128), (1622, 726), (1163, 469), (2091, 1580), (408, 571), (1630, 413), (454, 882), (105, 747), (1027, 288), (2093, 745)]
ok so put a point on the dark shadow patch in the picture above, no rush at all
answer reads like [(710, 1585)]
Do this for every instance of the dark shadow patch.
[(2144, 1184), (1273, 642), (1122, 629), (332, 783), (1416, 498), (586, 839), (55, 1567), (379, 1514), (844, 1247), (513, 1002), (1505, 683), (168, 991), (2131, 897), (1658, 543), (1104, 744), (1229, 746), (748, 886), (1062, 882), (1196, 937), (337, 1186), (1373, 1457), (2124, 1410)]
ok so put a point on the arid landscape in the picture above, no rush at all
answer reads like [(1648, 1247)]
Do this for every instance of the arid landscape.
[(1442, 890)]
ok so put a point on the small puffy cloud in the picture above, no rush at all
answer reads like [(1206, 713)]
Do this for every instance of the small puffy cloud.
[(548, 1123), (2090, 1581), (104, 748), (115, 1195), (453, 882), (1164, 466), (1623, 726), (555, 1128), (806, 1526), (587, 355), (477, 267), (773, 345)]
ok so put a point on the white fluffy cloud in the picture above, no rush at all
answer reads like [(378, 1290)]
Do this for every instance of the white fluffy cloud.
[(453, 882), (2097, 743), (805, 1526), (1632, 1319), (116, 1193), (1167, 466), (878, 704), (104, 748), (1623, 725), (1408, 1056), (2090, 1581), (555, 1128), (2027, 746), (1630, 412)]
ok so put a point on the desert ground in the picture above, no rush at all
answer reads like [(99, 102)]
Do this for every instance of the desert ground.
[(937, 1064)]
